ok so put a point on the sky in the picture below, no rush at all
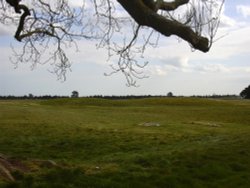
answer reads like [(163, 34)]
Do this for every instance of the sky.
[(173, 66)]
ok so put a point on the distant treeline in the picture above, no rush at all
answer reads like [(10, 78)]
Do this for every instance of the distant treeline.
[(10, 97), (115, 97), (217, 96)]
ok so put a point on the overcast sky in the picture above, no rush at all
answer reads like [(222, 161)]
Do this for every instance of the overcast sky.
[(173, 66)]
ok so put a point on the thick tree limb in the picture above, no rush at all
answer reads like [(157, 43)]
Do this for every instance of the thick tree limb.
[(26, 12), (145, 16), (168, 6), (21, 22)]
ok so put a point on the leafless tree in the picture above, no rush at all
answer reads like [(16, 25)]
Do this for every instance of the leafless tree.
[(47, 28)]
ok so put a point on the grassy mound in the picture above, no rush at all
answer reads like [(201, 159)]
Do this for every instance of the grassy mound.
[(156, 142), (78, 102)]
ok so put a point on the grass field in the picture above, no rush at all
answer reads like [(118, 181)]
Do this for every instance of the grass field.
[(158, 142)]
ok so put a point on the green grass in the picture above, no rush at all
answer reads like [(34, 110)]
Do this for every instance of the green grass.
[(104, 143)]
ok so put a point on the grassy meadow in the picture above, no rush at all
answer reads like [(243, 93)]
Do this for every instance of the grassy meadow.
[(156, 142)]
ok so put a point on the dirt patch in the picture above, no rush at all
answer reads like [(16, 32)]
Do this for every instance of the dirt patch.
[(8, 165), (150, 124), (209, 124)]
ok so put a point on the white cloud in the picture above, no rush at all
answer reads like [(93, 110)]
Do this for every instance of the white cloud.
[(177, 61), (199, 68), (212, 68), (243, 10), (158, 70), (236, 42), (76, 3), (226, 21), (2, 32), (6, 30)]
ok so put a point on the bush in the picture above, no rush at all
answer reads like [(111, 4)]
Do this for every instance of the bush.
[(245, 93)]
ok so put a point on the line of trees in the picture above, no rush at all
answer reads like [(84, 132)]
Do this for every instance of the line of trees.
[(75, 94), (161, 96), (114, 97), (30, 96)]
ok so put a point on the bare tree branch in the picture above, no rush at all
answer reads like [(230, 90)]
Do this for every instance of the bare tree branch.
[(145, 16), (47, 28)]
